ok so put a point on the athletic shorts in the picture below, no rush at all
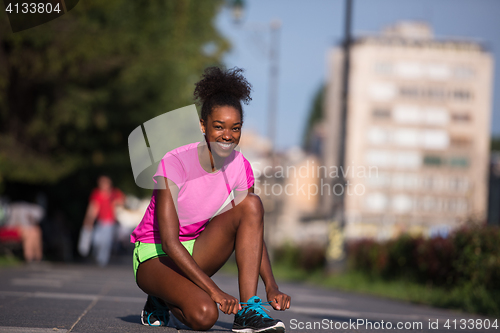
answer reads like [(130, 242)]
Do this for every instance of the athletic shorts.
[(146, 251)]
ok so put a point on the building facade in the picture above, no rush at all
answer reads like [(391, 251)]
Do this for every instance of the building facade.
[(417, 132)]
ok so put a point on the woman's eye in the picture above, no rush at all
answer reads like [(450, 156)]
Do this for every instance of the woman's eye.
[(237, 129)]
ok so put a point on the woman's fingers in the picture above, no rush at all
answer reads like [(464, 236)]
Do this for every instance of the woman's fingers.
[(229, 305), (281, 302), (287, 301)]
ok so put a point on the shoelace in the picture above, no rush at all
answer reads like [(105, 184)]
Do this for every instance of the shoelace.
[(157, 315), (256, 304), (160, 312)]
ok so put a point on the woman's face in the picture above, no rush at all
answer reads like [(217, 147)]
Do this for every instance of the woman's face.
[(222, 130)]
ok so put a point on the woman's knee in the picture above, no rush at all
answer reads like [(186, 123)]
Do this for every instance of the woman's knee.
[(203, 316), (253, 205)]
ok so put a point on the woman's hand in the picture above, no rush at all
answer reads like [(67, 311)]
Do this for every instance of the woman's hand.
[(227, 303), (279, 301)]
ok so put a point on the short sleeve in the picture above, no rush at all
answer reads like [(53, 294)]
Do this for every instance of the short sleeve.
[(95, 196), (118, 195), (171, 167), (246, 176)]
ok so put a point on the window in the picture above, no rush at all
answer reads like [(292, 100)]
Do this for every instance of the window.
[(381, 180), (381, 158), (428, 204), (376, 201), (406, 137), (402, 159), (402, 203), (398, 180), (436, 116), (428, 183), (463, 72), (409, 70), (412, 114), (435, 139), (409, 91), (378, 136), (407, 160), (460, 162), (462, 206), (435, 93), (382, 91), (438, 72), (462, 95), (460, 117), (458, 184), (381, 113), (431, 160), (407, 114), (460, 142), (383, 68), (405, 181), (438, 183), (457, 205)]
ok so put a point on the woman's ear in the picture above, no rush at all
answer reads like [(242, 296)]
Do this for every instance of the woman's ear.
[(202, 126)]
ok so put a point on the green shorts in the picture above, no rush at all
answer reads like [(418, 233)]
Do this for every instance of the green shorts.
[(146, 251)]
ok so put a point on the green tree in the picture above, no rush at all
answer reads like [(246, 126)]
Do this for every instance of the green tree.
[(315, 116), (71, 90), (495, 143)]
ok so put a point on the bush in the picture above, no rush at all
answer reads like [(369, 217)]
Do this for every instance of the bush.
[(467, 263), (308, 257)]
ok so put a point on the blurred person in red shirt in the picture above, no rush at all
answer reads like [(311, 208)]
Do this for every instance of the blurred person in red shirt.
[(101, 211)]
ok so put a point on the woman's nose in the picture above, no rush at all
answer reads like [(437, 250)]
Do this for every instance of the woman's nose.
[(227, 135)]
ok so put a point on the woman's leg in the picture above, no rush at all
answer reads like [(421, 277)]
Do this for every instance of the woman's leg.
[(189, 303), (240, 228), (32, 242), (103, 242)]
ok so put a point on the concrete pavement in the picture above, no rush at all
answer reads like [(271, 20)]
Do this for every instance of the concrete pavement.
[(85, 298)]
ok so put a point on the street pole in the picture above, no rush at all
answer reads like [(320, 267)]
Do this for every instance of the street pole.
[(336, 254), (345, 80), (272, 111)]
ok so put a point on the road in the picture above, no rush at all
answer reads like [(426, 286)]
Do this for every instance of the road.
[(84, 298)]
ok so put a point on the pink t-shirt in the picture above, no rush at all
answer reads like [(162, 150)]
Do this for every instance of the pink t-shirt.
[(201, 194)]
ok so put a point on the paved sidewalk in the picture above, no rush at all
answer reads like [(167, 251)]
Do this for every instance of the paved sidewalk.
[(84, 298)]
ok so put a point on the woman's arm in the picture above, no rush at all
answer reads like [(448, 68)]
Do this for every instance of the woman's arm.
[(279, 300), (91, 214), (168, 224)]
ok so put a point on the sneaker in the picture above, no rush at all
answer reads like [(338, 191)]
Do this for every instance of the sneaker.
[(155, 312), (252, 318)]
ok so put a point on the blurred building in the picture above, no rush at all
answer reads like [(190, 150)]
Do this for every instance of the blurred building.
[(418, 125), (288, 190)]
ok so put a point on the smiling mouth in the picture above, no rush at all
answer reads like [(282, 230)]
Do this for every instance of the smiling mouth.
[(224, 146)]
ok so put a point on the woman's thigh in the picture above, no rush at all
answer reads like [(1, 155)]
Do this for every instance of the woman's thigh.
[(216, 242), (160, 277)]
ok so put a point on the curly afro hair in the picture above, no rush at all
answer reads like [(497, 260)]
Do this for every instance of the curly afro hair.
[(220, 87)]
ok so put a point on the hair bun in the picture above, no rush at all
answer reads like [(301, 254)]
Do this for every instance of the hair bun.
[(217, 81)]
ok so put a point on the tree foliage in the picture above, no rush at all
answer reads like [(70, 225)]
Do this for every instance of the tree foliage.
[(71, 90), (315, 116)]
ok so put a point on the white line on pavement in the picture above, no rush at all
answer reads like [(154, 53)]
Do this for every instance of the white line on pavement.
[(79, 297), (9, 329)]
